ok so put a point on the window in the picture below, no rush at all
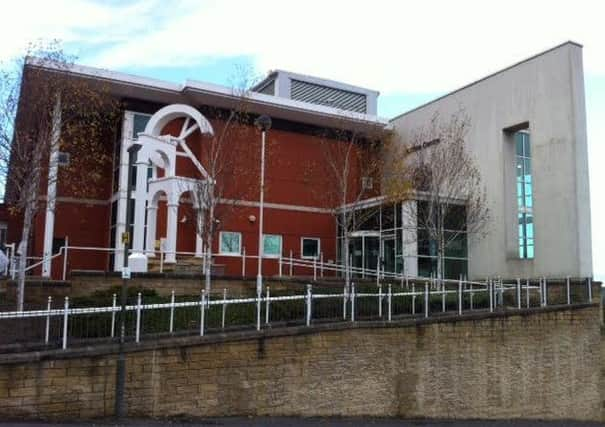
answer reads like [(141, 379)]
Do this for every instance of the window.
[(230, 243), (271, 245), (310, 247), (139, 122), (524, 195)]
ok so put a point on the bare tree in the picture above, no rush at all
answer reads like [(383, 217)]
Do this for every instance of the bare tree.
[(228, 178), (44, 108), (445, 182), (351, 164)]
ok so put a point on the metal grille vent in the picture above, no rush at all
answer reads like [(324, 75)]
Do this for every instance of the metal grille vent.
[(323, 95)]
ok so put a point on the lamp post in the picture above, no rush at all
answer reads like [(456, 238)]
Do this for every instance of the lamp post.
[(126, 238), (263, 123)]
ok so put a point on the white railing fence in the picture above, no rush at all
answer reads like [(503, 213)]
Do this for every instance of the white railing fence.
[(220, 312)]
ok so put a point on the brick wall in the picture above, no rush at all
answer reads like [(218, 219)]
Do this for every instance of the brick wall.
[(536, 364)]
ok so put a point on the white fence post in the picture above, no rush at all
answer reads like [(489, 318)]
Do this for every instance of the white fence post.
[(389, 303), (540, 291), (202, 312), (378, 271), (321, 264), (258, 307), (267, 306), (413, 298), (344, 302), (309, 305), (568, 287), (47, 332), (65, 314), (460, 297), (243, 263), (352, 302), (527, 293), (65, 247), (589, 283), (545, 293), (224, 313), (519, 293), (443, 296), (426, 299), (113, 315), (280, 264), (380, 301), (138, 330), (314, 270), (472, 294), (491, 295), (172, 299), (161, 258)]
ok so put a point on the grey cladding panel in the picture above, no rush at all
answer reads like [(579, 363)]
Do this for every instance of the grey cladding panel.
[(323, 95)]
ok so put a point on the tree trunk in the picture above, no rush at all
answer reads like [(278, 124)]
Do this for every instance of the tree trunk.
[(23, 248), (208, 253)]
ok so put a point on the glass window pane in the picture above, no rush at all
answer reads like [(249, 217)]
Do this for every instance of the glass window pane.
[(138, 124), (310, 248), (271, 245), (519, 143), (230, 242), (530, 251)]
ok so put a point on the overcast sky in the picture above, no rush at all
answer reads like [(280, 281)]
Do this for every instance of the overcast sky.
[(410, 51)]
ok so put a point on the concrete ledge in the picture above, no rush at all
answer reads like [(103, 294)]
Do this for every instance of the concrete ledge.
[(189, 341)]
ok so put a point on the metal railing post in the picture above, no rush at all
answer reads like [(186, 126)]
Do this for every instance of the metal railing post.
[(267, 306), (138, 330), (47, 331), (258, 307), (314, 270), (589, 283), (309, 305), (114, 301), (280, 265), (161, 259), (568, 288), (541, 291), (202, 312), (442, 296), (65, 315), (491, 295), (389, 302), (244, 263), (172, 299), (426, 299), (65, 247), (519, 293), (460, 297), (527, 302), (352, 302), (344, 302), (380, 301), (224, 313), (545, 293), (413, 298), (321, 264), (472, 294), (378, 271)]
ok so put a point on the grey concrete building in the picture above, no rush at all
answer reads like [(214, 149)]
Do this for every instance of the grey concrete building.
[(528, 137)]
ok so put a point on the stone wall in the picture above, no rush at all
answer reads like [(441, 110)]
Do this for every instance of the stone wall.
[(540, 364)]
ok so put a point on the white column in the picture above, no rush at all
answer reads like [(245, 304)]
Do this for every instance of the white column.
[(171, 230), (410, 237), (139, 209), (51, 192), (152, 214), (122, 189), (199, 242)]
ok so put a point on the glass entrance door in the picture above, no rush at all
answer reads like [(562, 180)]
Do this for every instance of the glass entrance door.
[(364, 248), (388, 254)]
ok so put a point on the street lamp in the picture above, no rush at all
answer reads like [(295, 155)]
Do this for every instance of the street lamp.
[(126, 238), (263, 123)]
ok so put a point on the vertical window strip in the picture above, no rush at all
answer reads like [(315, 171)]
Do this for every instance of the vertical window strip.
[(524, 195)]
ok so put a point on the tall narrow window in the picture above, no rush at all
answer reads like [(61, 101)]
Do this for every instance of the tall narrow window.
[(524, 195)]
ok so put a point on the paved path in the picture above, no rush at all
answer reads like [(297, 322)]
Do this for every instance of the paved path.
[(308, 422)]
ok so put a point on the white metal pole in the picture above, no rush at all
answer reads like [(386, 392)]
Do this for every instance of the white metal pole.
[(568, 286), (471, 295), (65, 314), (389, 301), (540, 292), (527, 293), (380, 301), (491, 295), (426, 299), (589, 283), (413, 298), (344, 302), (280, 265), (172, 311), (66, 247), (545, 293), (202, 312), (314, 270), (267, 305), (47, 332), (258, 309), (519, 293), (309, 305), (225, 307), (138, 330), (460, 297), (442, 296), (243, 263), (259, 277), (161, 259), (321, 264), (352, 302), (113, 315)]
